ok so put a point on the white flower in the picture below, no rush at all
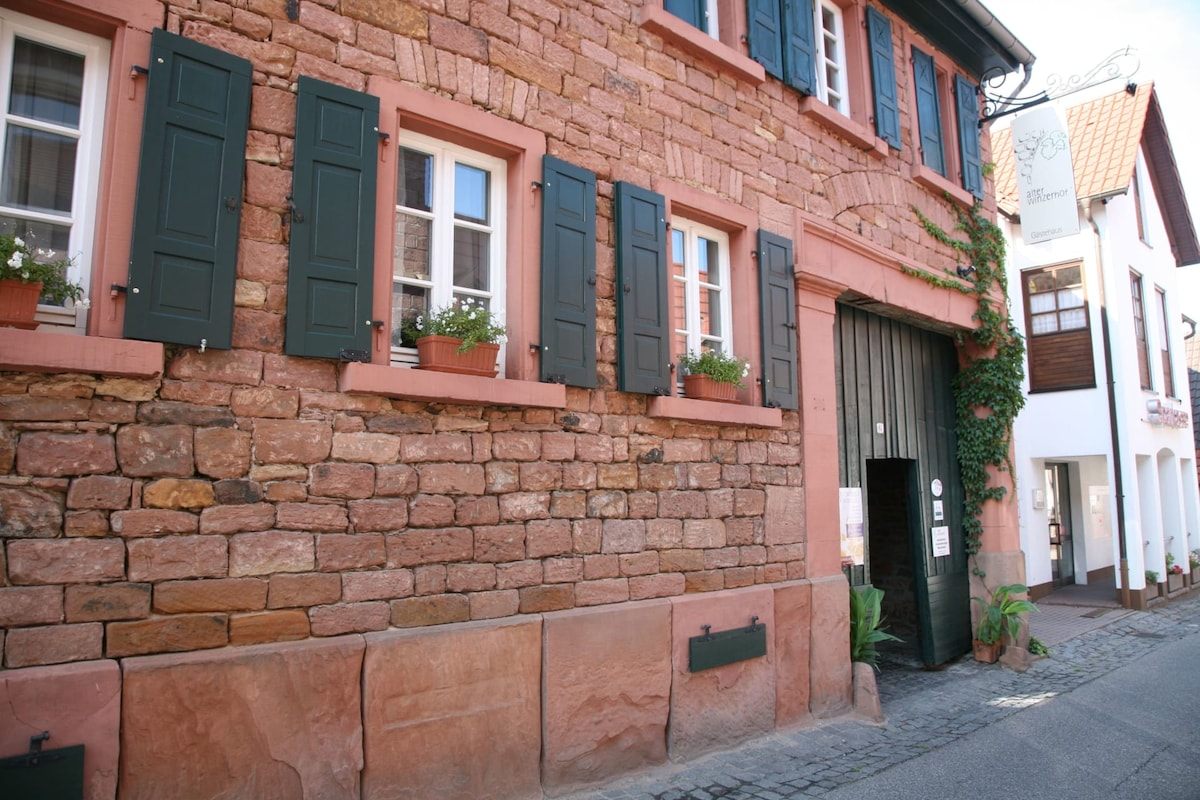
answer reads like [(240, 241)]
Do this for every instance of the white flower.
[(746, 369), (18, 241), (17, 258), (420, 323), (84, 303)]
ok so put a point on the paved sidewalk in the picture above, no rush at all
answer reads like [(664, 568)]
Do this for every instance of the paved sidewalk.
[(925, 710)]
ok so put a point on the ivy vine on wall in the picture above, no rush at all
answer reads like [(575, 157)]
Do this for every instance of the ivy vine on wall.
[(987, 390)]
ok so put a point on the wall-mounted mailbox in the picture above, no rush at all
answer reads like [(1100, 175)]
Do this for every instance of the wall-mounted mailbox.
[(43, 774), (726, 647)]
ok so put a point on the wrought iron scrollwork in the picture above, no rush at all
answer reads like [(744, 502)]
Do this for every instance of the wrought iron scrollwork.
[(1121, 64)]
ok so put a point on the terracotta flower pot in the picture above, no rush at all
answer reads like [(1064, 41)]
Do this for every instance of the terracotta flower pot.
[(18, 303), (986, 653), (440, 354), (703, 387)]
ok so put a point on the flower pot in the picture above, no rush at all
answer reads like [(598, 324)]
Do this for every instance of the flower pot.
[(440, 354), (986, 653), (18, 303), (1174, 581), (703, 387)]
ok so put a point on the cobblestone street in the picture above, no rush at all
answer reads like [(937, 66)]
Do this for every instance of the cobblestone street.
[(925, 710)]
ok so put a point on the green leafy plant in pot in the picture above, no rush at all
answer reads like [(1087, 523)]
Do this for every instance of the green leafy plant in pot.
[(866, 625), (999, 616)]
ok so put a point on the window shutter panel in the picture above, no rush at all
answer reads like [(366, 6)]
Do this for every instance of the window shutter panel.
[(929, 114), (968, 136), (883, 78), (766, 38), (690, 11), (643, 323), (183, 259), (331, 255), (798, 49), (568, 274), (777, 301)]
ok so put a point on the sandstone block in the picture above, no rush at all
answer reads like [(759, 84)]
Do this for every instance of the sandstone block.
[(177, 493), (186, 415), (265, 401), (642, 587), (58, 561), (538, 599), (138, 522), (299, 373), (79, 704), (173, 634), (53, 644), (414, 547), (384, 584), (222, 452), (155, 451), (26, 511), (110, 601), (462, 721), (277, 720), (517, 574), (301, 591), (32, 605), (437, 609), (607, 688), (352, 481), (785, 515), (222, 594), (793, 640), (270, 551), (100, 491), (598, 592), (372, 448), (831, 676), (175, 557), (268, 626), (623, 536), (395, 480), (342, 618), (495, 543), (719, 707), (237, 519), (339, 552), (58, 454), (279, 441)]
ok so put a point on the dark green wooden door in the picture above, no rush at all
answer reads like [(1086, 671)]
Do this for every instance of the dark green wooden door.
[(183, 260), (895, 401)]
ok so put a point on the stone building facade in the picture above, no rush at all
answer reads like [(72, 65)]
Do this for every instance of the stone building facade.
[(247, 549)]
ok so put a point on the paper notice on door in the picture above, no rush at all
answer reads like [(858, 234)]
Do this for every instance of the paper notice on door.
[(851, 511), (941, 540), (939, 512)]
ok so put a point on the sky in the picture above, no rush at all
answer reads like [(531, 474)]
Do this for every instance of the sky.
[(1070, 37)]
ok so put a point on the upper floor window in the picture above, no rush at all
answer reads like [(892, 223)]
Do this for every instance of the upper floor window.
[(700, 295), (1164, 344), (831, 56), (1056, 301), (701, 14), (52, 83), (947, 104), (1059, 342), (1139, 329), (449, 233)]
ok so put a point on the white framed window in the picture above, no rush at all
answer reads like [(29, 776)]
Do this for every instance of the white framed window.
[(831, 55), (701, 303), (450, 229), (52, 92), (701, 14)]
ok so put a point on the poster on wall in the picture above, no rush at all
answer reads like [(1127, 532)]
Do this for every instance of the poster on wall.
[(850, 508)]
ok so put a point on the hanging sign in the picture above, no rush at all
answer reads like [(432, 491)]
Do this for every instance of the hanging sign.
[(1045, 178)]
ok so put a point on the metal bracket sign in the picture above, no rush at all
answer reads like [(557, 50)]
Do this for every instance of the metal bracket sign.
[(726, 647), (43, 774)]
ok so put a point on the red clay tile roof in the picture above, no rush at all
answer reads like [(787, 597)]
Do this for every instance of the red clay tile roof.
[(1105, 134)]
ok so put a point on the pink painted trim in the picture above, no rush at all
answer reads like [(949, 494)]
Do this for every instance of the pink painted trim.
[(36, 351), (858, 135), (658, 20), (926, 177), (714, 413), (444, 387)]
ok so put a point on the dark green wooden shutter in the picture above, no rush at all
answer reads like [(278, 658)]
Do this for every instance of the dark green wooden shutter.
[(331, 256), (183, 260), (798, 51), (568, 274), (929, 112), (766, 37), (968, 136), (777, 300), (883, 78), (643, 321), (690, 11)]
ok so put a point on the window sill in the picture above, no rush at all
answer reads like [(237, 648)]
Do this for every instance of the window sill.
[(445, 387), (859, 135), (936, 183), (658, 20), (39, 351), (714, 413)]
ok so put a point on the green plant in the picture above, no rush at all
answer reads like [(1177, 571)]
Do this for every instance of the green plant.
[(1170, 561), (720, 367), (1037, 647), (866, 621), (987, 389), (1151, 577), (1002, 613), (466, 319), (1194, 559), (19, 262)]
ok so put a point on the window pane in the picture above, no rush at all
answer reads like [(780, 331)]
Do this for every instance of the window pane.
[(710, 312), (1040, 303), (408, 302), (710, 261), (1044, 323), (39, 170), (1073, 320), (677, 252), (412, 256), (1070, 298), (470, 194), (415, 184), (40, 236), (1041, 282), (47, 84), (471, 263), (1069, 276)]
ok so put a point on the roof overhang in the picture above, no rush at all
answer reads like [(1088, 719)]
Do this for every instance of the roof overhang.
[(967, 32)]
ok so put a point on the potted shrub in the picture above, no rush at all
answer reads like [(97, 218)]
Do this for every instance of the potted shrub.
[(999, 616), (712, 375), (1194, 566), (27, 276), (1151, 584), (463, 337), (1174, 574)]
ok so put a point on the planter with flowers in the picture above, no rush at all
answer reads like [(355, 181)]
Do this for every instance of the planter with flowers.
[(1174, 575), (463, 337), (24, 279), (1194, 566), (713, 375)]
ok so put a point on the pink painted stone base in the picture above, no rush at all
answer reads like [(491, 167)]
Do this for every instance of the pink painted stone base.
[(78, 704), (453, 712), (717, 708), (607, 689), (831, 673), (277, 720), (793, 642)]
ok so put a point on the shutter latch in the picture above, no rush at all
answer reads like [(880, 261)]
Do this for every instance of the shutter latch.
[(296, 213)]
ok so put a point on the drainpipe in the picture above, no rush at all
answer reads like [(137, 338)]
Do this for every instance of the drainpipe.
[(1118, 481)]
